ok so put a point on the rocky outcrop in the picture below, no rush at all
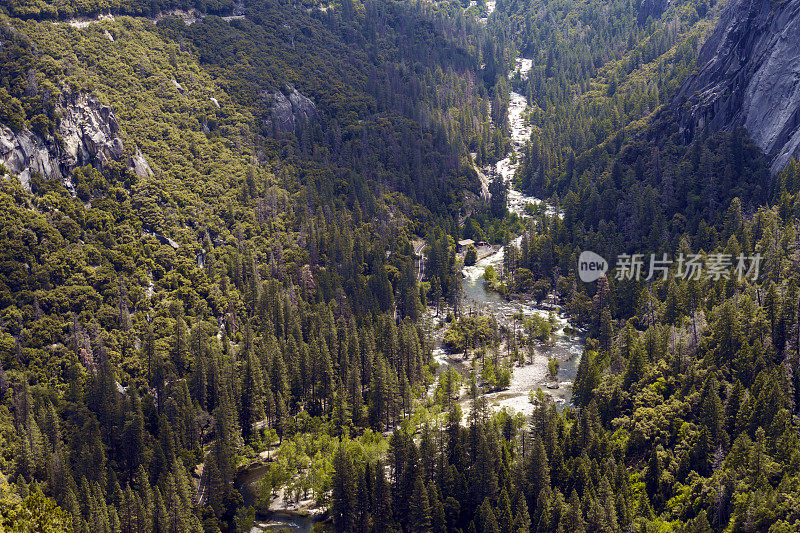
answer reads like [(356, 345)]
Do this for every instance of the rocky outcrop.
[(138, 164), (286, 113), (88, 132), (749, 75)]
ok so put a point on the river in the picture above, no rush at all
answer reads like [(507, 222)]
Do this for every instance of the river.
[(567, 345)]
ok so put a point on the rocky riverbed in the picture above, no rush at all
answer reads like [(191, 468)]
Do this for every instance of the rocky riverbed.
[(567, 344)]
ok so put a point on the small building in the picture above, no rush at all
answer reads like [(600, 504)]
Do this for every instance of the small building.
[(464, 244)]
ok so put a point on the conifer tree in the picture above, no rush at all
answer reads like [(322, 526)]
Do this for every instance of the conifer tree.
[(213, 487), (487, 521), (522, 521), (438, 520), (179, 346), (252, 394), (281, 416), (162, 524), (653, 475), (419, 509), (342, 419), (324, 373), (345, 496), (504, 517), (382, 500), (538, 469)]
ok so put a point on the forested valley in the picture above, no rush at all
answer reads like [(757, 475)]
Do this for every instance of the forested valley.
[(240, 301)]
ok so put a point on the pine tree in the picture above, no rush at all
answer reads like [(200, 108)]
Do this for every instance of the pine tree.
[(653, 475), (380, 288), (382, 500), (712, 414), (324, 373), (344, 498), (522, 520), (280, 377), (134, 433), (497, 190), (699, 524), (114, 525), (643, 508), (636, 366), (379, 390), (732, 406), (419, 510), (605, 496), (252, 394), (342, 419), (438, 520), (213, 487), (586, 378), (542, 515), (161, 516), (405, 393), (179, 346), (538, 469), (504, 517), (149, 350), (355, 398), (487, 522), (281, 416)]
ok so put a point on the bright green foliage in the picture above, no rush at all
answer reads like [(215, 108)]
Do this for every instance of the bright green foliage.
[(261, 288)]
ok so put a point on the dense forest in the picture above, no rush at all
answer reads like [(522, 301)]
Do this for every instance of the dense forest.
[(66, 9), (270, 295), (258, 287)]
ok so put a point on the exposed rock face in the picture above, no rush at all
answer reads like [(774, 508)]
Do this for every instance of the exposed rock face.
[(138, 164), (286, 113), (749, 75), (89, 134)]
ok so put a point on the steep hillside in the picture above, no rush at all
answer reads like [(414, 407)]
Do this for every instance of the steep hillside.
[(599, 70), (233, 281), (749, 75), (206, 231), (67, 9)]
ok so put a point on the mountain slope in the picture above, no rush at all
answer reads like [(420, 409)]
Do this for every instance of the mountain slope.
[(268, 241), (749, 76)]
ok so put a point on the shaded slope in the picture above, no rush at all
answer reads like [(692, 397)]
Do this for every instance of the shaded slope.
[(749, 76)]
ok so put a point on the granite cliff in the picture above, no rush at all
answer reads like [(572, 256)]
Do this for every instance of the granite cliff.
[(87, 134), (287, 112), (749, 75)]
